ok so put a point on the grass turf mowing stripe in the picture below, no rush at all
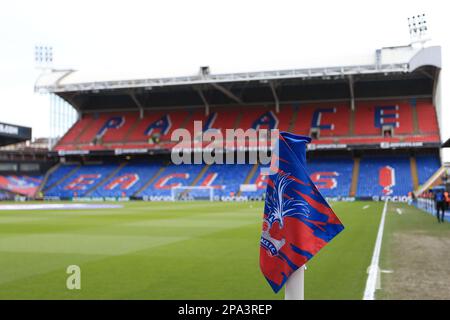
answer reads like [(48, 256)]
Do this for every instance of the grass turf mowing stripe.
[(216, 256)]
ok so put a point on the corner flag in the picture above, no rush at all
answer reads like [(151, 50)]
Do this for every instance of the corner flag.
[(298, 221)]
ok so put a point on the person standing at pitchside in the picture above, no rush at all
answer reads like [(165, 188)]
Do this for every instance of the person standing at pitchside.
[(439, 201)]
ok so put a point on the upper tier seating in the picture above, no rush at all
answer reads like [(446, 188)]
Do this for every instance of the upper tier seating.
[(127, 130), (370, 117), (427, 117)]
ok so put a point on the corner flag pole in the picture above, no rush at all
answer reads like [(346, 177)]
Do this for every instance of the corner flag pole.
[(295, 285)]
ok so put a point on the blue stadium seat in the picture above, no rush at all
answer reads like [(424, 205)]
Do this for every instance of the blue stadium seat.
[(128, 180), (173, 175), (384, 176), (79, 183), (58, 174), (332, 176), (426, 166)]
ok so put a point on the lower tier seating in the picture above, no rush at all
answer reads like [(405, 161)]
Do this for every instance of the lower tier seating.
[(384, 176), (21, 184), (378, 176)]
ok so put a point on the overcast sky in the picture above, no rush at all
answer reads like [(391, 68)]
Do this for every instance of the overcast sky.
[(172, 37)]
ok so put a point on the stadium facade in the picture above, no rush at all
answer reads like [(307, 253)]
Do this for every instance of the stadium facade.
[(374, 121)]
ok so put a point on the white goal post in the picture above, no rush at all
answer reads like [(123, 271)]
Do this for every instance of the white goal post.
[(192, 193)]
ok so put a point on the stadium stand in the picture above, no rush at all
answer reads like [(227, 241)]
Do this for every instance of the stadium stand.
[(4, 195), (128, 180), (59, 174), (332, 176), (426, 113), (81, 182), (384, 176), (378, 175), (374, 128), (427, 165), (20, 184), (226, 179), (126, 130)]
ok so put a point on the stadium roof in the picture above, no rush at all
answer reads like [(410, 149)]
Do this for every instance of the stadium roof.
[(10, 134), (446, 144), (362, 77)]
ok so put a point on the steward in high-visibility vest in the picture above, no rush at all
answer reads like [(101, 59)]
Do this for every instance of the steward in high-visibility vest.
[(447, 200)]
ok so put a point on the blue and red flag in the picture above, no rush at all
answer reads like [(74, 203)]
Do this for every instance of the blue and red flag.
[(298, 221)]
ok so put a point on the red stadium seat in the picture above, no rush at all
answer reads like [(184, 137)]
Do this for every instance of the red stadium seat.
[(119, 134), (75, 131), (398, 113), (127, 130), (426, 114)]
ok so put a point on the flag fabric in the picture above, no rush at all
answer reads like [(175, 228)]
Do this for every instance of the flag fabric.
[(298, 221)]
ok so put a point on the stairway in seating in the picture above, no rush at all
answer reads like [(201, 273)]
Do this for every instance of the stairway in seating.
[(237, 121), (131, 129), (355, 176), (150, 181), (46, 176), (414, 176), (200, 175), (197, 179), (88, 125), (352, 122), (109, 176), (249, 176), (293, 120), (432, 180), (415, 119), (62, 179)]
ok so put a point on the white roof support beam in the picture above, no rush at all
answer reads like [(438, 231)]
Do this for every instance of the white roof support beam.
[(205, 102), (217, 79), (352, 92), (227, 92), (138, 104), (275, 96)]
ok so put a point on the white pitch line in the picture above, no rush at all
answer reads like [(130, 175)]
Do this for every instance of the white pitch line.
[(373, 271)]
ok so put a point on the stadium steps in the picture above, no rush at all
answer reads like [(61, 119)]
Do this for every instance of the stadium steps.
[(47, 175), (293, 120), (414, 175), (197, 179), (186, 121), (200, 175), (352, 122), (59, 181), (355, 176), (415, 119), (150, 181), (109, 176), (431, 181), (249, 176), (86, 127), (237, 121), (132, 128)]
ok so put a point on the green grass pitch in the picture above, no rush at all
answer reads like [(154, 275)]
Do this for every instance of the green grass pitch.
[(193, 250)]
